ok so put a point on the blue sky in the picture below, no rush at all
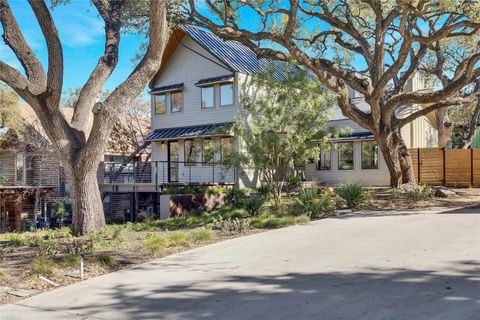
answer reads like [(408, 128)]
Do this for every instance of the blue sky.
[(82, 34)]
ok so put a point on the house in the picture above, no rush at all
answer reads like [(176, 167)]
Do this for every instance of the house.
[(198, 91)]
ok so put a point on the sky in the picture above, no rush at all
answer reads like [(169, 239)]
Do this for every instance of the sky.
[(81, 32)]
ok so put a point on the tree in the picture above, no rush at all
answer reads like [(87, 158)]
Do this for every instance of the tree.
[(277, 127), (78, 150), (372, 46), (465, 122)]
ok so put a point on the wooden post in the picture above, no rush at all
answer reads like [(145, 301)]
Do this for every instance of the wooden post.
[(471, 167), (419, 167), (444, 167)]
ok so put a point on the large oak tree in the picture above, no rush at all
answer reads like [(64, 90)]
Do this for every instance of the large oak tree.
[(373, 46), (80, 150)]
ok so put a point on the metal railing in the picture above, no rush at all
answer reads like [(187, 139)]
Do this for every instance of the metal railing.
[(166, 172)]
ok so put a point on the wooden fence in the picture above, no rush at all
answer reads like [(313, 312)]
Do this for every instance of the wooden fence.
[(449, 167)]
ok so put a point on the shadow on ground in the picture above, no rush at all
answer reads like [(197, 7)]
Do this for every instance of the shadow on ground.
[(368, 294)]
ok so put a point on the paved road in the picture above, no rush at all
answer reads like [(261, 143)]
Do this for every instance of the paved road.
[(415, 267)]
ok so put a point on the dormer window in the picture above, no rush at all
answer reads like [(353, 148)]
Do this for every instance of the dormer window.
[(170, 96), (176, 101), (160, 104), (208, 97), (216, 91), (226, 94)]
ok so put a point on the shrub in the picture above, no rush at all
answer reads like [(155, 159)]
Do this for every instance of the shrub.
[(78, 246), (154, 243), (104, 260), (179, 238), (60, 233), (309, 202), (217, 190), (201, 234), (352, 192), (272, 222), (69, 260), (421, 192), (302, 219), (253, 204), (42, 266), (263, 191), (231, 226), (237, 197), (19, 239), (393, 194), (146, 217), (46, 248), (292, 182), (136, 226)]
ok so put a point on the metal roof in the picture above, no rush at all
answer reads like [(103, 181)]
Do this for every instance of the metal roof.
[(235, 55), (354, 136), (214, 80), (167, 88), (190, 132)]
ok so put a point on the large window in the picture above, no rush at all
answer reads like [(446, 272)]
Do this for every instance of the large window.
[(226, 149), (208, 100), (190, 152), (160, 104), (325, 160), (345, 156), (369, 155), (20, 168), (226, 94), (208, 152), (176, 103)]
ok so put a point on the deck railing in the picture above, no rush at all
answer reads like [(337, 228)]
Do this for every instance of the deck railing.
[(166, 172)]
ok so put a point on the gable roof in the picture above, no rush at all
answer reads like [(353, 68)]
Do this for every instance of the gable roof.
[(233, 54)]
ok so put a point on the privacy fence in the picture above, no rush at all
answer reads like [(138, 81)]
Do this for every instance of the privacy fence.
[(449, 167)]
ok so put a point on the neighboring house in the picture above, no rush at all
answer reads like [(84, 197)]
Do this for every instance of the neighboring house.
[(199, 89)]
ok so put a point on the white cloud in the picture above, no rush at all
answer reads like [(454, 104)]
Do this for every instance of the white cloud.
[(78, 29)]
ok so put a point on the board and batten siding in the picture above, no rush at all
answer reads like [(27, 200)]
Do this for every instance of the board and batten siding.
[(188, 66)]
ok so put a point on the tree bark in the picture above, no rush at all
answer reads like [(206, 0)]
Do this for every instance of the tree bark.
[(86, 200)]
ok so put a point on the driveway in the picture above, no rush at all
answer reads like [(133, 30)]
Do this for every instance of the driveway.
[(422, 266)]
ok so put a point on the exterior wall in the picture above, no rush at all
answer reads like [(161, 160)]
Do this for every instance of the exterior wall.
[(188, 67), (7, 165), (371, 177)]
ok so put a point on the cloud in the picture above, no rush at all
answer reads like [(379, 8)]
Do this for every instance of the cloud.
[(79, 29)]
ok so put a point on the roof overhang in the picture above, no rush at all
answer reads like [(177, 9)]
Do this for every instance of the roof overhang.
[(168, 88), (356, 136), (190, 132), (215, 80)]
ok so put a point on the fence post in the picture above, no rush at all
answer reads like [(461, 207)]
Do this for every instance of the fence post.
[(471, 167), (213, 172), (444, 167), (419, 166), (156, 175)]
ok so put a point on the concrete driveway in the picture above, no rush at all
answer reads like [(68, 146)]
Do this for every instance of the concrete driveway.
[(422, 266)]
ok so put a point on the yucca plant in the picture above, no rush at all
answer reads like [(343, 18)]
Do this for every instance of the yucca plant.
[(352, 192), (313, 204)]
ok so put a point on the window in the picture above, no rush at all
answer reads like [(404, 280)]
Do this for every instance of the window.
[(325, 160), (208, 151), (160, 104), (345, 156), (20, 168), (226, 149), (208, 97), (369, 155), (190, 153), (226, 94), (176, 103)]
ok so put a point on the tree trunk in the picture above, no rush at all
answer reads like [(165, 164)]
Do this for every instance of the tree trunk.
[(88, 215), (397, 158)]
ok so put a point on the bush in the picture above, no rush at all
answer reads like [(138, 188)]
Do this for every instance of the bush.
[(78, 246), (237, 197), (201, 234), (69, 260), (146, 217), (60, 233), (42, 266), (231, 226), (46, 248), (421, 192), (19, 239), (302, 219), (272, 222), (154, 243), (393, 194), (104, 260), (292, 182), (263, 191), (179, 238), (352, 192), (309, 202), (217, 190), (253, 204)]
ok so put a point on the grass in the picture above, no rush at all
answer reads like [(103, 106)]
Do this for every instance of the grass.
[(70, 260), (179, 238), (201, 234), (42, 266), (302, 219), (154, 243), (3, 275), (272, 222), (104, 260)]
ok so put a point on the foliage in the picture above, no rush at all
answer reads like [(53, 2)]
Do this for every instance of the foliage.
[(46, 248), (421, 193), (69, 260), (19, 239), (293, 181), (352, 192), (302, 219), (78, 246), (104, 260), (263, 191), (179, 238), (146, 217), (311, 203), (253, 204), (154, 243), (42, 266), (272, 222), (237, 197), (201, 234), (231, 226), (393, 194)]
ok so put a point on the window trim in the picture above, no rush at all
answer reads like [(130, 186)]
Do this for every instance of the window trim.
[(213, 97), (155, 103), (318, 167), (220, 94), (181, 101), (361, 155), (353, 156)]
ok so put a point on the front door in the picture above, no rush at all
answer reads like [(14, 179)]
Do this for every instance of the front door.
[(173, 161)]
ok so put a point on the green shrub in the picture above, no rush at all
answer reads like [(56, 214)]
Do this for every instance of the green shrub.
[(104, 260), (237, 197), (42, 266), (19, 239), (217, 190), (352, 192), (201, 234), (263, 191), (421, 192), (309, 202), (61, 233), (253, 204), (302, 219), (136, 226), (69, 260), (292, 182), (272, 222), (231, 226), (78, 246), (46, 248), (154, 243), (179, 238)]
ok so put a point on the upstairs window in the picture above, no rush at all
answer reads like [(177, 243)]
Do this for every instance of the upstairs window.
[(208, 100), (176, 102), (226, 94), (345, 156), (325, 160), (160, 104), (369, 155), (190, 153)]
